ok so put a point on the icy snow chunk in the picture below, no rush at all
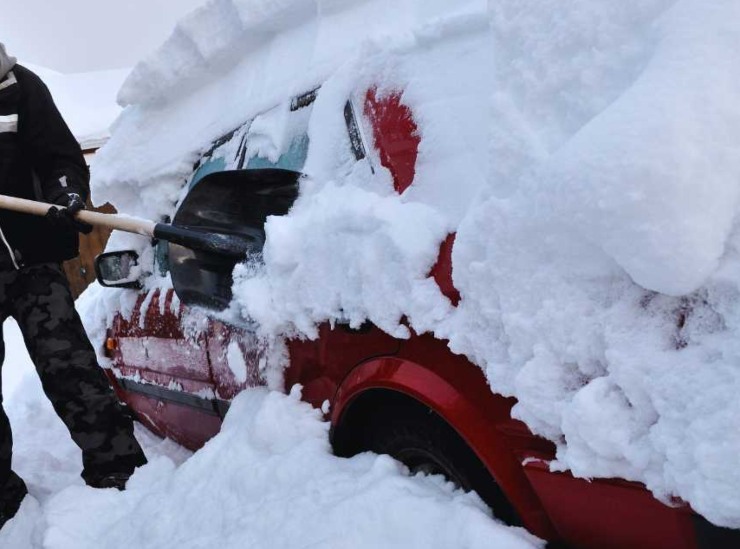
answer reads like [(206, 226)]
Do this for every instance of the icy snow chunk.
[(202, 39), (235, 360), (180, 59), (214, 28)]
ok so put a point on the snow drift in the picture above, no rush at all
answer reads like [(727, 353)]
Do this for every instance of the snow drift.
[(267, 480), (586, 155), (277, 485)]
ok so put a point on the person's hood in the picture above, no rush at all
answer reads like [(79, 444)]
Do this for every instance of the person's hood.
[(6, 62)]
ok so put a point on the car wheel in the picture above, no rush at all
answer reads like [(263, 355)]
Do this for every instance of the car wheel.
[(425, 443)]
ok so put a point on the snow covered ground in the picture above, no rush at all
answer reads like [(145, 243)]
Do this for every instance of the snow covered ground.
[(585, 153), (268, 480)]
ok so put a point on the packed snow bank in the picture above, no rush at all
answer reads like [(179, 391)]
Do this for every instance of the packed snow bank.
[(618, 129), (585, 153), (43, 452), (635, 134), (267, 480)]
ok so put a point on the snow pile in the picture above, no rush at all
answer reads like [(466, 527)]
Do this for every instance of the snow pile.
[(267, 480), (622, 168), (585, 153), (632, 135), (289, 56), (367, 231)]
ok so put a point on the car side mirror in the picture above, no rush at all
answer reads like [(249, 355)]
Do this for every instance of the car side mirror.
[(118, 269)]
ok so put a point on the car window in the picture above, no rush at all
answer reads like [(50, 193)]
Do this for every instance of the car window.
[(292, 159), (277, 138), (222, 155), (209, 166)]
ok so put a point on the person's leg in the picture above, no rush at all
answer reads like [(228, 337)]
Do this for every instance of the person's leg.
[(77, 387)]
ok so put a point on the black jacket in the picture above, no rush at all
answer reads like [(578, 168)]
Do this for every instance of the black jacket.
[(40, 159)]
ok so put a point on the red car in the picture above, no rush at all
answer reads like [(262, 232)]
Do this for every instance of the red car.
[(413, 399)]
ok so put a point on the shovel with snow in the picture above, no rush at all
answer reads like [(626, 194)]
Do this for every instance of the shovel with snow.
[(218, 225)]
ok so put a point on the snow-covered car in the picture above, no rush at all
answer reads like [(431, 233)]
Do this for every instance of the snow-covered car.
[(411, 398), (495, 266)]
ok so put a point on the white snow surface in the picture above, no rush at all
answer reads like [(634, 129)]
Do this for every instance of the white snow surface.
[(235, 360), (267, 480), (586, 154)]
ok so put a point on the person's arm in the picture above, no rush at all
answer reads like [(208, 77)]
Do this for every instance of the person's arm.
[(44, 136)]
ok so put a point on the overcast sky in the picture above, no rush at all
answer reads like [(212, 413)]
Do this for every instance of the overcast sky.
[(87, 35)]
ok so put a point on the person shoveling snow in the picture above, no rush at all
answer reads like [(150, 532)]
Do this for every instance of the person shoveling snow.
[(40, 156)]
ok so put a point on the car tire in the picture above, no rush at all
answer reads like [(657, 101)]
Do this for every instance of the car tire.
[(423, 441)]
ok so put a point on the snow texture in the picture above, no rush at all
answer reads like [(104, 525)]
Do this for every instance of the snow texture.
[(267, 480), (584, 152), (235, 360)]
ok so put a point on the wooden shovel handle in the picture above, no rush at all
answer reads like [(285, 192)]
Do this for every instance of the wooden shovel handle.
[(110, 221)]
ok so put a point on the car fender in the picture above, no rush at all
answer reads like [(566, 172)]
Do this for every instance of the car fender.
[(467, 404)]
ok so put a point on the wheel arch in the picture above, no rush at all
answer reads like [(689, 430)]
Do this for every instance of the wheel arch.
[(464, 402)]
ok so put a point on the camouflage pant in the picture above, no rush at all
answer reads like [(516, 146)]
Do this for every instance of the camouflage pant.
[(38, 297)]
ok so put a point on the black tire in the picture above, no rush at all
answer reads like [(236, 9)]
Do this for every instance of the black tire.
[(425, 443)]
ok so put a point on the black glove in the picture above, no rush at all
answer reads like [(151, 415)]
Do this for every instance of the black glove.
[(64, 218)]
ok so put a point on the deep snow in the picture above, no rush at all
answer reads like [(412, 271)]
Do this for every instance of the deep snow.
[(267, 480), (586, 155)]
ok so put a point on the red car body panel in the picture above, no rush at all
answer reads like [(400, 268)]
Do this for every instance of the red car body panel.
[(188, 426), (344, 363), (152, 351), (609, 513), (428, 372), (321, 365), (220, 338), (395, 136), (590, 514)]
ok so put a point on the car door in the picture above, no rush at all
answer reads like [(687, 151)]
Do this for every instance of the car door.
[(162, 369), (316, 365), (277, 138), (160, 349)]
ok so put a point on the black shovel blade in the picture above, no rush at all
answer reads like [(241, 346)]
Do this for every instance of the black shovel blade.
[(233, 205)]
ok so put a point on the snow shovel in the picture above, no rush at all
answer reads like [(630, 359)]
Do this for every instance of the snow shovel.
[(219, 224)]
